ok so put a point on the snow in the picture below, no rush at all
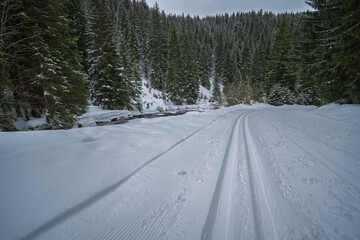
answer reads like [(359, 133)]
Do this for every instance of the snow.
[(245, 172), (152, 102), (32, 124), (97, 114)]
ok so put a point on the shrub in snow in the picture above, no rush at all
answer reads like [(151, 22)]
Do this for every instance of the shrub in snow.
[(160, 109), (280, 95), (308, 96)]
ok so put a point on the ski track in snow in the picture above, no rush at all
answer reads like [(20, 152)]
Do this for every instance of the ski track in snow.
[(220, 194), (252, 173), (102, 194)]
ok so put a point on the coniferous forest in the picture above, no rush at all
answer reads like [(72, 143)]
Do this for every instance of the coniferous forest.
[(56, 56)]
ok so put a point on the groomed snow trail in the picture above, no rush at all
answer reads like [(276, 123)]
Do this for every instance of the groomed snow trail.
[(249, 173), (148, 202)]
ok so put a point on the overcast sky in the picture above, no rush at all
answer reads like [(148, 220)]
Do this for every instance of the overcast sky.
[(212, 7)]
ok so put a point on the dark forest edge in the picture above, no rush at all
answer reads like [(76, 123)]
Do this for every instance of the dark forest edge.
[(56, 55)]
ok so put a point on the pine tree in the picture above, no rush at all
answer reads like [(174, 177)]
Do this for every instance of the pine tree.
[(245, 61), (158, 49), (77, 16), (205, 64), (281, 62), (142, 23), (256, 65), (51, 70), (175, 73), (219, 53), (191, 87), (129, 57), (216, 90), (347, 49), (11, 41), (231, 74), (310, 62), (340, 36), (106, 71)]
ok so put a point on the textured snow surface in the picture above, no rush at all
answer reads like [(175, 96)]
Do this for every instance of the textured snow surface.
[(246, 172)]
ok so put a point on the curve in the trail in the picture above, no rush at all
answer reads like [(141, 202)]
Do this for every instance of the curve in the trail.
[(68, 213)]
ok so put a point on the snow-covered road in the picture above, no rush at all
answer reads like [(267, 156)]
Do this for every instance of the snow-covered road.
[(246, 172)]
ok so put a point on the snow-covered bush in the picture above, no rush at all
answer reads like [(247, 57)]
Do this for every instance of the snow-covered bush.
[(308, 96), (280, 95)]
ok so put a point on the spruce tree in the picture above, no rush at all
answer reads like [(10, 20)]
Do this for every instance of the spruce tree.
[(280, 66), (142, 24), (191, 84), (51, 72), (219, 53), (158, 49), (175, 73), (310, 62), (256, 67), (205, 64), (106, 71), (129, 57), (231, 74), (216, 90), (245, 61), (339, 20), (11, 47)]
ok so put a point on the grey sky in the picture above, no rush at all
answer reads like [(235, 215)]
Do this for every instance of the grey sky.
[(212, 7)]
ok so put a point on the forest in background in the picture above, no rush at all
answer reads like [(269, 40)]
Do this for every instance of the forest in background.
[(57, 56)]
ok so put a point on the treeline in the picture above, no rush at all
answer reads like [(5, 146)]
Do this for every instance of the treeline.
[(55, 56)]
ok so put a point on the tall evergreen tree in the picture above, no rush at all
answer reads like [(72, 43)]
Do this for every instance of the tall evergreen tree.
[(216, 90), (191, 87), (256, 67), (129, 57), (245, 60), (11, 48), (175, 74), (231, 74), (280, 66), (205, 64), (106, 71), (219, 53), (158, 50), (142, 19), (339, 41), (51, 70)]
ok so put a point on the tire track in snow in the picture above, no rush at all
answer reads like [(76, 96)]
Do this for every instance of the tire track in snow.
[(101, 194)]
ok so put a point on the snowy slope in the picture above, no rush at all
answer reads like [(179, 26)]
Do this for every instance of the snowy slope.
[(151, 101), (246, 172)]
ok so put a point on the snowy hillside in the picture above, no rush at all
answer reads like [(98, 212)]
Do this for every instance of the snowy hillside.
[(245, 172), (152, 102)]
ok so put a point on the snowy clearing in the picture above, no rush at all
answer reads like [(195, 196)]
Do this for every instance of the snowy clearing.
[(245, 172)]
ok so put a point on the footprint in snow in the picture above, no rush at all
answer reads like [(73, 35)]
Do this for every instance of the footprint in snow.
[(181, 173)]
